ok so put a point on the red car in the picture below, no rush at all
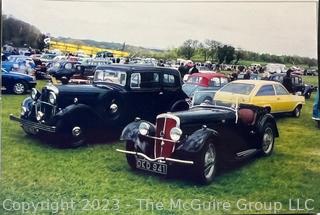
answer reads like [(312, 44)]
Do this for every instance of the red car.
[(204, 81)]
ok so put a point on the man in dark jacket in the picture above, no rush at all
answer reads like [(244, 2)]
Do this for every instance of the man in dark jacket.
[(193, 69), (287, 82)]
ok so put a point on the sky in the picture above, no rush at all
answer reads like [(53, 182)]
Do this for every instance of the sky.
[(276, 27)]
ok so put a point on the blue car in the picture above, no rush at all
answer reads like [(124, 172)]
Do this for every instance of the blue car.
[(316, 110), (18, 62), (17, 83)]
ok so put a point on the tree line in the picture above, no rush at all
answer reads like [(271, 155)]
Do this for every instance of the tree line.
[(221, 53)]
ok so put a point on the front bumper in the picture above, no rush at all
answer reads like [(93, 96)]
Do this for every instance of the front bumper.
[(34, 125), (161, 159)]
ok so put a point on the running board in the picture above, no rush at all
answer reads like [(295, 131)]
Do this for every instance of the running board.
[(246, 153)]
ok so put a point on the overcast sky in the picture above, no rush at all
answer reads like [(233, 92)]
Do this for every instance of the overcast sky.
[(279, 28)]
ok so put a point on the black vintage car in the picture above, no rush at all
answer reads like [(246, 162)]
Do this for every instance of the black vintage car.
[(200, 139), (297, 84), (63, 69), (71, 114)]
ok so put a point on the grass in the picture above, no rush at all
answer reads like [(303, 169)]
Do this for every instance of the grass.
[(34, 172)]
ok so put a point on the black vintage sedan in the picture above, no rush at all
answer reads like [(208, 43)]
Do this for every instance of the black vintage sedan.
[(200, 139), (71, 114)]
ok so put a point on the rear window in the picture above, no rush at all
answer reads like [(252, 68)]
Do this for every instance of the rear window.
[(194, 80), (238, 88)]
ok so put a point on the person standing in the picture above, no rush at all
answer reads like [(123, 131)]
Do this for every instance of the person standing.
[(193, 69), (287, 82)]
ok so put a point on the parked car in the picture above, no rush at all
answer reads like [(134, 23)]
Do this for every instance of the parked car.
[(62, 69), (199, 140), (204, 81), (18, 63), (297, 84), (271, 95), (72, 114), (253, 76), (312, 72), (316, 110), (17, 83)]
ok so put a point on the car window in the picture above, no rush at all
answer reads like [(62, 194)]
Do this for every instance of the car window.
[(281, 90), (224, 81), (266, 90), (238, 88), (169, 80), (135, 80), (194, 79), (149, 80)]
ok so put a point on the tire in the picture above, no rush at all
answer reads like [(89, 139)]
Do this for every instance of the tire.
[(131, 159), (267, 139), (297, 112), (70, 134), (19, 88), (206, 163)]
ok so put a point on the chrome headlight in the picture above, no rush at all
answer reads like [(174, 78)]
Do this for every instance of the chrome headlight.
[(34, 94), (144, 128), (52, 98), (175, 134)]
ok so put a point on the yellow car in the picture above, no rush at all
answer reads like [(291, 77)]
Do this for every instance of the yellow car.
[(269, 94)]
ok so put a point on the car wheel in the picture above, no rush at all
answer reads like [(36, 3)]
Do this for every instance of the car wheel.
[(70, 135), (206, 163), (267, 140), (297, 112), (131, 159), (19, 88)]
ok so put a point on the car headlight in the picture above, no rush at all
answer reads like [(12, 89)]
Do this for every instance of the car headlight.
[(34, 94), (144, 128), (113, 108), (175, 134), (52, 98)]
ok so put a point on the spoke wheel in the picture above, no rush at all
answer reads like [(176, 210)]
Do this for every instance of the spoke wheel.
[(267, 142), (19, 88)]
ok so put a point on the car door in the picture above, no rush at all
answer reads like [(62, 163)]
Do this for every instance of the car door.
[(285, 100), (144, 93), (171, 92), (265, 97)]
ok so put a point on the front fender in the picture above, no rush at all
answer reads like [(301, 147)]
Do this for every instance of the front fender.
[(268, 118), (131, 131), (196, 141), (78, 111)]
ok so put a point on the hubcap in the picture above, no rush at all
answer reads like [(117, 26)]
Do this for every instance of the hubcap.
[(267, 140), (18, 88), (76, 131), (209, 161), (297, 112)]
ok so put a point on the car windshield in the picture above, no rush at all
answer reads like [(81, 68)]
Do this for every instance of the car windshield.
[(110, 76), (207, 98), (238, 88)]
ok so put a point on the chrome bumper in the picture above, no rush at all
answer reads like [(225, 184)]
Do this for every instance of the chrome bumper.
[(35, 125), (156, 159)]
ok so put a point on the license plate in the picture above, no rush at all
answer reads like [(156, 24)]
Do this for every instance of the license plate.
[(152, 166)]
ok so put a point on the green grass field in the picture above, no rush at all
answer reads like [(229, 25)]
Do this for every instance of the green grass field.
[(34, 172)]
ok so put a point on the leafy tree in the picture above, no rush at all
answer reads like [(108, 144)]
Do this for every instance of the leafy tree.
[(188, 48)]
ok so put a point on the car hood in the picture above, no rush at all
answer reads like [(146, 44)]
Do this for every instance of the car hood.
[(204, 115), (84, 94)]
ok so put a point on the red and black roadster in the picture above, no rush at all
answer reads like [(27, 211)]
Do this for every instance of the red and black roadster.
[(201, 139)]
